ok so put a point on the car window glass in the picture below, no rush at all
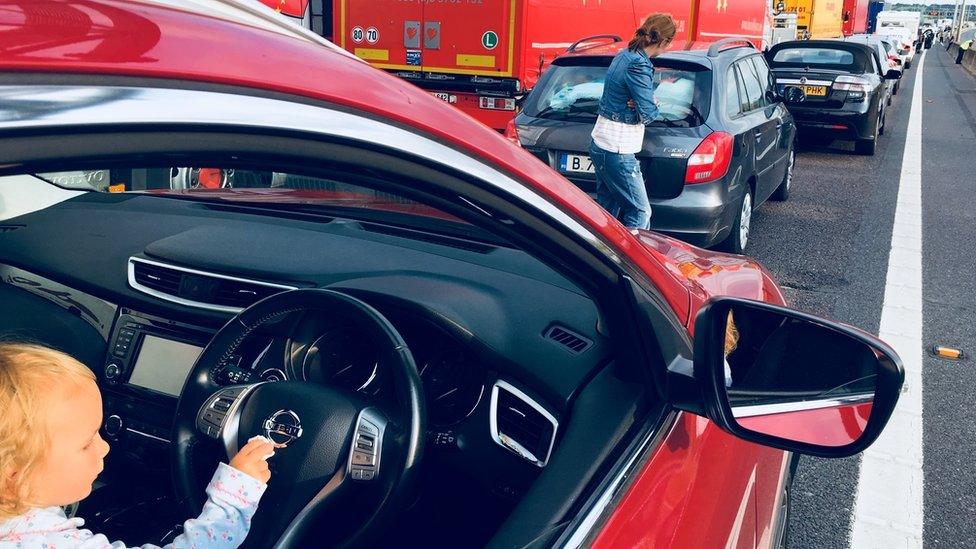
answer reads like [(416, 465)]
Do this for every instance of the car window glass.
[(255, 187), (573, 93), (762, 70), (814, 56), (733, 107), (751, 85)]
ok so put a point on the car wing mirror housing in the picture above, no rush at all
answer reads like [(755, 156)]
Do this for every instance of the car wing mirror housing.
[(786, 379), (892, 74)]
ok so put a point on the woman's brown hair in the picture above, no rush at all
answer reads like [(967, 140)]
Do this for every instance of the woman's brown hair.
[(658, 29)]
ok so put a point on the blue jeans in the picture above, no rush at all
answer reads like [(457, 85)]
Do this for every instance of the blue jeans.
[(620, 187)]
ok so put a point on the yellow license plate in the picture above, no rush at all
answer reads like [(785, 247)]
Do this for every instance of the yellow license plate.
[(814, 90)]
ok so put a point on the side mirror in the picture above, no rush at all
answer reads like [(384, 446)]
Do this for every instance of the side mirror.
[(787, 379), (794, 94), (892, 74)]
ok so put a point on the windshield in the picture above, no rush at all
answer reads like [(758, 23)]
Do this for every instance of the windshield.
[(574, 92), (278, 191)]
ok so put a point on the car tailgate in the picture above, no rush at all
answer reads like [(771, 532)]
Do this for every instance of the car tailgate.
[(663, 158)]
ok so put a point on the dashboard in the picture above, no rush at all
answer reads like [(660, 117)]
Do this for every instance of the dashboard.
[(492, 331)]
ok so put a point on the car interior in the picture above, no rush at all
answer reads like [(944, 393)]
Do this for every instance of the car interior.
[(140, 267)]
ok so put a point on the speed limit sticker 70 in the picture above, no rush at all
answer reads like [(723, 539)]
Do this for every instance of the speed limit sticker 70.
[(372, 35), (357, 35)]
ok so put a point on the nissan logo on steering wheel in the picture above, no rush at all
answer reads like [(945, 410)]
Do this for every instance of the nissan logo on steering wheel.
[(283, 427)]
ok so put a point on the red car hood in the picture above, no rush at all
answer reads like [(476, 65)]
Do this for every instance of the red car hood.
[(705, 273)]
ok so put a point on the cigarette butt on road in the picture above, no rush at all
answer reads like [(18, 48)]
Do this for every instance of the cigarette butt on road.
[(948, 352)]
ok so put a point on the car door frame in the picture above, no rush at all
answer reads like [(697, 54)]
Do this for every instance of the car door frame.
[(765, 126)]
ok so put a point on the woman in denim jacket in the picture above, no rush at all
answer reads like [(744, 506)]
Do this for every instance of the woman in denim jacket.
[(626, 107)]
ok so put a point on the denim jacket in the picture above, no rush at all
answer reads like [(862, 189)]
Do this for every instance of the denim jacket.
[(631, 76)]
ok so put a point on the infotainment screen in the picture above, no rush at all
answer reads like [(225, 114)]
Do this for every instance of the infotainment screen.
[(163, 364)]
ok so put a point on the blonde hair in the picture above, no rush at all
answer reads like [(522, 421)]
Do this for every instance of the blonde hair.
[(731, 335), (28, 373), (657, 30)]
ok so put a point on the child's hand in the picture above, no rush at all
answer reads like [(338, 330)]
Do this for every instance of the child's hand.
[(252, 460)]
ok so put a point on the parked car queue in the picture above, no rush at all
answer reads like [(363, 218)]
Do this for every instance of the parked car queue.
[(730, 116)]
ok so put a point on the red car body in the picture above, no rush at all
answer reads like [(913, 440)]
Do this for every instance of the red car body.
[(701, 487)]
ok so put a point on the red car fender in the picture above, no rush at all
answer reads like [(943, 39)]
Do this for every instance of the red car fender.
[(735, 486)]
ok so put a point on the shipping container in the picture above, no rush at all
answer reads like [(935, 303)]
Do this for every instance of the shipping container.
[(855, 17), (482, 55), (817, 19)]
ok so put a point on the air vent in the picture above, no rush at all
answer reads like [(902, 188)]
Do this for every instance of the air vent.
[(198, 288), (570, 340), (521, 425)]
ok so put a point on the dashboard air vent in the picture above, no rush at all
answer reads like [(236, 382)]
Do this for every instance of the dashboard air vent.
[(521, 424), (570, 340), (198, 288)]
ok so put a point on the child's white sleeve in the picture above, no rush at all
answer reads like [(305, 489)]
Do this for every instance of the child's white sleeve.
[(224, 522)]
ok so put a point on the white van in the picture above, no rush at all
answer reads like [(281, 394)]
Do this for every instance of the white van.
[(903, 26)]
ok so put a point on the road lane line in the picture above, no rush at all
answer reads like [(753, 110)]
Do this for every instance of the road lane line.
[(888, 506)]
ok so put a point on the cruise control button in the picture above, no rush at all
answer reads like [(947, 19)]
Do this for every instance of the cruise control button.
[(368, 474), (357, 474)]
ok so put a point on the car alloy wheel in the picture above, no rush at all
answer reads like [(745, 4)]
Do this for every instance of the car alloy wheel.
[(745, 219), (783, 191)]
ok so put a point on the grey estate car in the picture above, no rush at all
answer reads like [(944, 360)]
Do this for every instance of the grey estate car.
[(722, 145)]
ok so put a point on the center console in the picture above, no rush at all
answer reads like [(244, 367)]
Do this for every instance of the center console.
[(146, 365)]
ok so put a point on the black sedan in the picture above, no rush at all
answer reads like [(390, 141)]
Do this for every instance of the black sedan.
[(722, 146), (833, 87)]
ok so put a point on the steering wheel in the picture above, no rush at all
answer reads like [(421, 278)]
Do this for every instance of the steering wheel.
[(349, 460)]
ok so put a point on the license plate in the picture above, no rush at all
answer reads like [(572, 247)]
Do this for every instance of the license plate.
[(814, 90), (446, 97), (575, 163)]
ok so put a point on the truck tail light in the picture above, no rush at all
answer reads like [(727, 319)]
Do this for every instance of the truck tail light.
[(511, 132), (497, 103), (711, 159)]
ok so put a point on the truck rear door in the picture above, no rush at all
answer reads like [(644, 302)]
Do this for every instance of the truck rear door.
[(473, 37), (386, 33)]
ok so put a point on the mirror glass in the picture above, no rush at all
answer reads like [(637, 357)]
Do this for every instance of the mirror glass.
[(796, 379)]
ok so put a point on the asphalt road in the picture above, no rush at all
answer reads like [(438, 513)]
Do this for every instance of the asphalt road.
[(828, 247)]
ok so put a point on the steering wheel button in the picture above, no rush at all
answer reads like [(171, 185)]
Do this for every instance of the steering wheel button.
[(367, 474), (368, 428), (362, 458)]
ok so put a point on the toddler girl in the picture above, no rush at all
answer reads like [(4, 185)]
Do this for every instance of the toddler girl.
[(51, 453)]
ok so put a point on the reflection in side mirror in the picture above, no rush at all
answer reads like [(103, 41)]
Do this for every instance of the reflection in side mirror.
[(798, 380), (787, 379)]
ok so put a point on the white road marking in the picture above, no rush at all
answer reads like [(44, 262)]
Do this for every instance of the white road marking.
[(888, 506)]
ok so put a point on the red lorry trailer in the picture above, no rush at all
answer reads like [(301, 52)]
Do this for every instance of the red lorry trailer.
[(855, 17), (480, 55)]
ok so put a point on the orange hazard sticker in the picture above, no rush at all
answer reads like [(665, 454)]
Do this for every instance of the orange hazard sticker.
[(120, 188)]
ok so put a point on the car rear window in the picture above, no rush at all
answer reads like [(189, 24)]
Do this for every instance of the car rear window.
[(573, 92), (814, 56)]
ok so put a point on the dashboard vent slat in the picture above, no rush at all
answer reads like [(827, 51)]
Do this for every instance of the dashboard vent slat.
[(568, 339), (521, 424), (196, 288)]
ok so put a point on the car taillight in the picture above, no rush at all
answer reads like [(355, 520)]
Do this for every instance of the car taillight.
[(711, 158), (511, 132), (852, 84)]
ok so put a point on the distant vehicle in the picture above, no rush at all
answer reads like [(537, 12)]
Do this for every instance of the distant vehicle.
[(483, 55), (874, 8), (904, 39), (723, 144), (886, 61), (817, 18), (841, 88), (855, 17), (784, 28)]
